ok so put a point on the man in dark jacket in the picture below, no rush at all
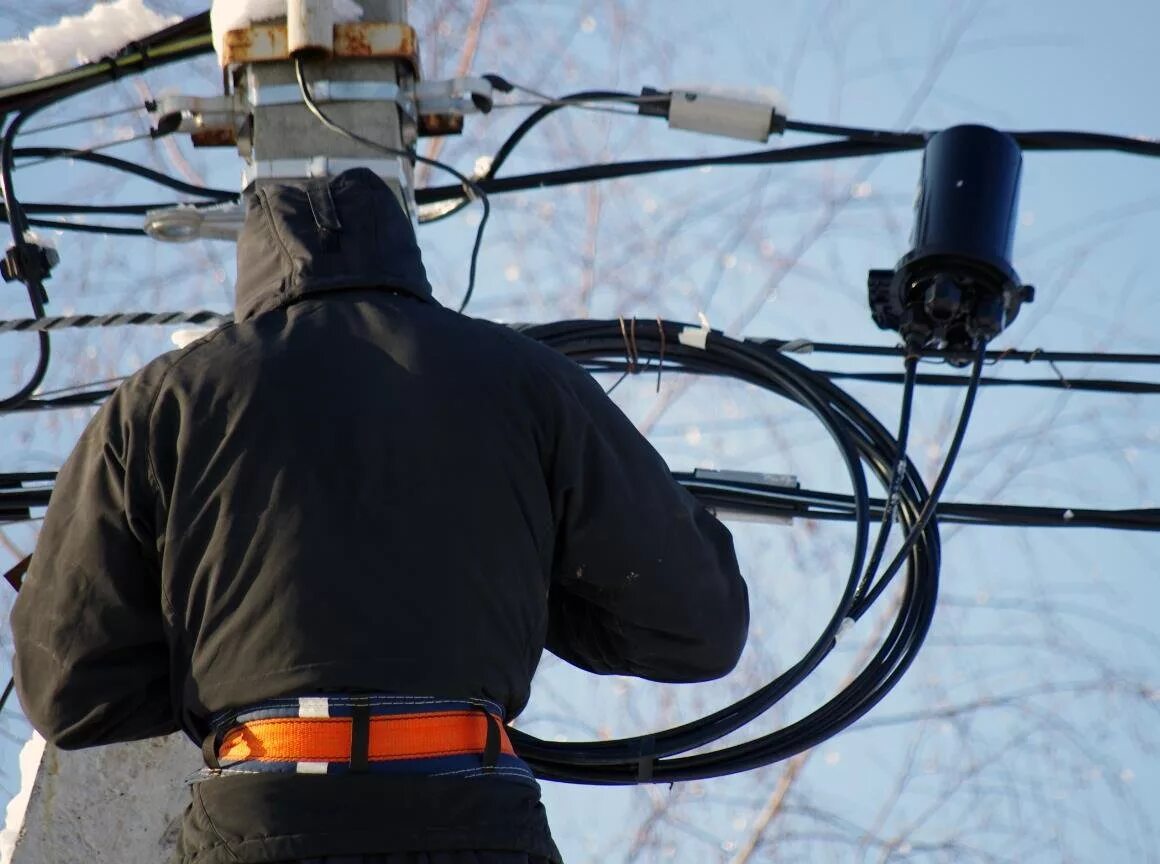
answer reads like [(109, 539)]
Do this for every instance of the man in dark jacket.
[(331, 540)]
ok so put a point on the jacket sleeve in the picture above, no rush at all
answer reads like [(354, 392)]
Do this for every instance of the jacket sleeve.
[(645, 579), (92, 659)]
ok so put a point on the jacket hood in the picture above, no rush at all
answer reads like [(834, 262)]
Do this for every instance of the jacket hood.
[(304, 237)]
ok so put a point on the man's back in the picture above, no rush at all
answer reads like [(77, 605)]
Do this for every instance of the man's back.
[(353, 490)]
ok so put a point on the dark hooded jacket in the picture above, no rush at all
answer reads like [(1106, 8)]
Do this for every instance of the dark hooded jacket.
[(352, 488)]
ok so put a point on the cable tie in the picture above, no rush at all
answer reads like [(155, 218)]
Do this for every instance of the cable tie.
[(695, 337), (629, 355), (845, 627), (797, 346), (646, 759)]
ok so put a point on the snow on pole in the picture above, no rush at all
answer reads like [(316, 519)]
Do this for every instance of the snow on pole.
[(78, 39)]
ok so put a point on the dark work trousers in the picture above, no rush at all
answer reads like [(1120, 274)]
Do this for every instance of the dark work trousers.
[(430, 858)]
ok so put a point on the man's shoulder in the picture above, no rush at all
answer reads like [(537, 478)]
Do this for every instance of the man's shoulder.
[(214, 347), (546, 360)]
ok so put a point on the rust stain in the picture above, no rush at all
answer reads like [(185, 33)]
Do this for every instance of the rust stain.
[(262, 43), (214, 138), (236, 44), (378, 39), (440, 124), (352, 40), (256, 44)]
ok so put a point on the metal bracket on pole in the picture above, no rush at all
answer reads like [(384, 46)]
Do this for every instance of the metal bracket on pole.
[(361, 71), (366, 73)]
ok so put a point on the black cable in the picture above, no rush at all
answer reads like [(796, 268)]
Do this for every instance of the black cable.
[(220, 195), (878, 144), (1087, 385), (513, 140), (87, 228), (854, 133), (896, 476), (73, 400), (936, 491), (181, 41), (1030, 141), (101, 209), (616, 170), (215, 196), (761, 500), (754, 499), (853, 429), (853, 141), (300, 74), (32, 283), (1038, 355)]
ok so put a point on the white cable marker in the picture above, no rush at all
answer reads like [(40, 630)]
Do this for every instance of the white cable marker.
[(845, 627), (695, 337)]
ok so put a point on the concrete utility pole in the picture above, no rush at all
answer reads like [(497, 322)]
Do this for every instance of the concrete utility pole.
[(122, 804), (357, 92)]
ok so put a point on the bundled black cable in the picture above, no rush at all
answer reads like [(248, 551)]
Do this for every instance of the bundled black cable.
[(860, 440)]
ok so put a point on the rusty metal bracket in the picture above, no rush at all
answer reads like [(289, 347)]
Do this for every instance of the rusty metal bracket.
[(268, 43)]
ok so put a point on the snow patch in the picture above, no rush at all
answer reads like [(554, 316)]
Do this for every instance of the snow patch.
[(30, 755), (78, 39), (227, 15)]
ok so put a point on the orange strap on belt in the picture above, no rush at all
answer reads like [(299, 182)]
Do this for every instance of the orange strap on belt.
[(328, 739)]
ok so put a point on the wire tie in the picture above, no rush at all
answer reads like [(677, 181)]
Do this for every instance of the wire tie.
[(695, 337), (646, 761), (628, 356), (1003, 355)]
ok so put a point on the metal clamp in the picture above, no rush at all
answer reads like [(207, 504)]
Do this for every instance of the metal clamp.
[(260, 96), (454, 96), (184, 224), (752, 478), (320, 166)]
